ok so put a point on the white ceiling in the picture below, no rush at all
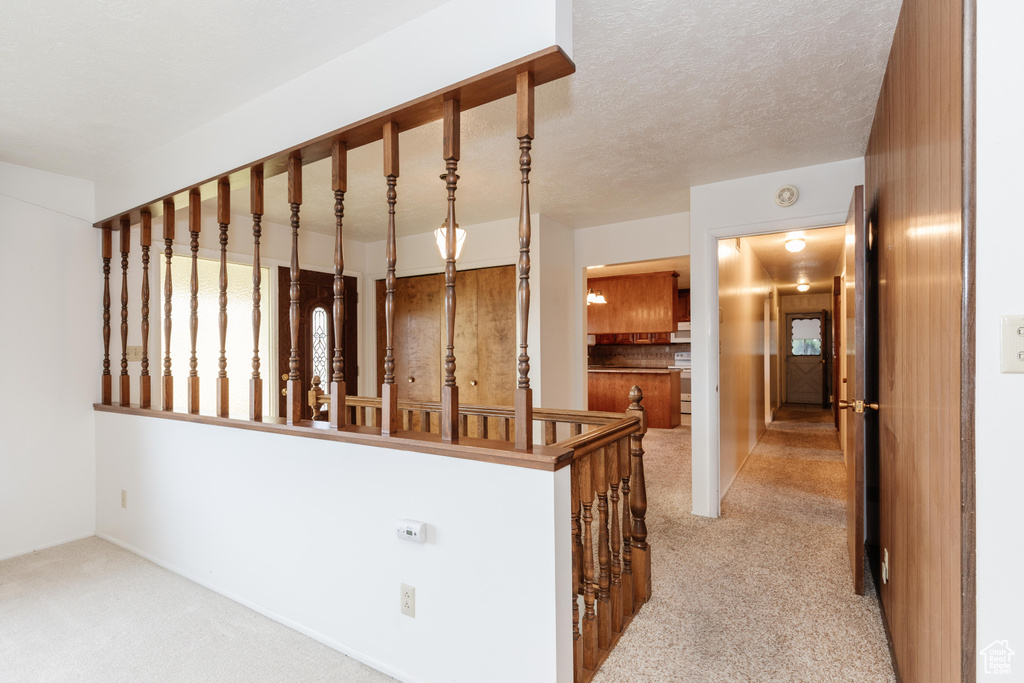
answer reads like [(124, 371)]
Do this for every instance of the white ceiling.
[(680, 264), (667, 95), (815, 265)]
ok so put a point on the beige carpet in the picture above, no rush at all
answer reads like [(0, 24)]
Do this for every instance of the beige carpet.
[(764, 592), (90, 611)]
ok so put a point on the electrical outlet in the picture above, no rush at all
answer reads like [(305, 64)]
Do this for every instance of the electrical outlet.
[(885, 565), (124, 498), (409, 601), (134, 354)]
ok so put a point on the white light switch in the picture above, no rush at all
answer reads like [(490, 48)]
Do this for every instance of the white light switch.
[(411, 530), (1011, 344)]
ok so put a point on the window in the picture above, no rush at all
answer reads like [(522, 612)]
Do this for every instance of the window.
[(806, 336), (318, 332)]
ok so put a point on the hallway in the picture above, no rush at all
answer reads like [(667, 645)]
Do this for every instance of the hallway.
[(763, 593)]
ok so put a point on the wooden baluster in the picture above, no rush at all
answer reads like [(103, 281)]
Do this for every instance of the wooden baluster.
[(223, 219), (167, 380), (339, 182), (294, 385), (575, 429), (125, 390), (389, 392), (604, 606), (463, 425), (589, 628), (638, 503), (482, 431), (574, 514), (615, 592), (627, 525), (195, 224), (503, 429), (425, 417), (256, 208), (106, 388), (146, 241), (524, 131), (450, 390), (550, 431)]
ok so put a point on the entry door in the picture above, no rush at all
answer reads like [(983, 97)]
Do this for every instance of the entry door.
[(861, 373), (805, 357)]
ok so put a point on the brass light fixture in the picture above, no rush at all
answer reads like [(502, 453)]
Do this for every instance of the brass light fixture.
[(597, 298), (441, 235)]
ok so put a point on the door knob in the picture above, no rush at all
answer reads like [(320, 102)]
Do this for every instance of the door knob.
[(472, 383), (411, 380), (858, 405), (284, 392), (284, 377)]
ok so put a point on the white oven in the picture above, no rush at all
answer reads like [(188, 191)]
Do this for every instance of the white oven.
[(682, 363)]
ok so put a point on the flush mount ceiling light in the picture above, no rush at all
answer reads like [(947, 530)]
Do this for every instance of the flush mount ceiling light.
[(795, 245), (593, 298), (802, 287), (441, 235)]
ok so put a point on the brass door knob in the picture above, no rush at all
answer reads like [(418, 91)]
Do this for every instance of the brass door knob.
[(857, 405), (472, 383), (411, 380), (284, 392), (284, 377)]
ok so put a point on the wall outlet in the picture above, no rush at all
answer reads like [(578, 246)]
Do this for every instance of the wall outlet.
[(134, 354), (124, 498), (409, 601)]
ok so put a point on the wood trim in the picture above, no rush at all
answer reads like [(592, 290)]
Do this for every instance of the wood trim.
[(546, 458), (546, 65)]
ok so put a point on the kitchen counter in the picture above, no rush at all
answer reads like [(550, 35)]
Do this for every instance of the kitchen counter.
[(608, 390)]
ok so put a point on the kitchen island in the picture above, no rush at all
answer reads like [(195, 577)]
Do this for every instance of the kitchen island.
[(608, 390)]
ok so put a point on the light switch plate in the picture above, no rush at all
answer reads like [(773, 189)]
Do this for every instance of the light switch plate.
[(1011, 344)]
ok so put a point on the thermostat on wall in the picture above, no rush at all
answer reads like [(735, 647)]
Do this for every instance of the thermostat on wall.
[(411, 530)]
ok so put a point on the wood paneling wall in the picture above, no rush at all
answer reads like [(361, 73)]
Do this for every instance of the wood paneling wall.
[(914, 198)]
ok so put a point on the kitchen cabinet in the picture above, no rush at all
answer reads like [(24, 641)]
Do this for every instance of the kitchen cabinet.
[(645, 303), (683, 306), (608, 390)]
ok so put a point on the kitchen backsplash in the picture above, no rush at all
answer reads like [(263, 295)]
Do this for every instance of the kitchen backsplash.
[(635, 355)]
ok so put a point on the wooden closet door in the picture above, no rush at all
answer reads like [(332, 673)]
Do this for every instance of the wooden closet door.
[(496, 336), (467, 358), (418, 301)]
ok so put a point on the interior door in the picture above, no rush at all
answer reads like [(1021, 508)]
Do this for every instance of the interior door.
[(805, 335), (861, 371)]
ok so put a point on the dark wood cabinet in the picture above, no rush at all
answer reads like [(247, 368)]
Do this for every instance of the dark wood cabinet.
[(683, 306), (637, 304)]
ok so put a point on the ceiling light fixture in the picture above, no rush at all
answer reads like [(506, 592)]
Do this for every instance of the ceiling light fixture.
[(441, 235), (802, 287), (597, 298), (795, 245)]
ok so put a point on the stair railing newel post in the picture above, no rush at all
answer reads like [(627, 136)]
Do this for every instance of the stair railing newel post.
[(625, 467), (337, 417), (125, 389), (145, 241), (106, 389), (389, 390), (195, 217), (450, 389), (223, 220), (615, 591), (294, 388), (524, 131), (167, 380), (638, 504), (256, 209), (589, 627)]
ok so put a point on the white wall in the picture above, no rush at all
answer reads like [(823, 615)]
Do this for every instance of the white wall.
[(640, 240), (302, 530), (735, 208), (50, 302), (488, 34), (1000, 243)]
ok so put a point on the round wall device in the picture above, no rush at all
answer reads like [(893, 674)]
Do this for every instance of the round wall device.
[(786, 195)]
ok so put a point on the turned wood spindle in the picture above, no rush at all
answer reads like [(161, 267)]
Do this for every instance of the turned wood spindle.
[(294, 385), (389, 391), (125, 390), (604, 615), (256, 208), (339, 180), (106, 388), (450, 390), (574, 514), (638, 503), (625, 465), (167, 381), (524, 131), (615, 591), (589, 628), (223, 219), (146, 241), (194, 226)]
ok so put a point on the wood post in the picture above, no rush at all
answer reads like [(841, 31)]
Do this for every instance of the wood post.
[(589, 627), (615, 591), (195, 224), (550, 431), (294, 385), (574, 514), (125, 389), (599, 459), (638, 504), (339, 179), (146, 241), (389, 391), (450, 390), (625, 465), (223, 219), (256, 209), (524, 131), (167, 381), (106, 388)]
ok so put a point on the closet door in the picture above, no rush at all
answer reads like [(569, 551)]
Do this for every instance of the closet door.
[(497, 352)]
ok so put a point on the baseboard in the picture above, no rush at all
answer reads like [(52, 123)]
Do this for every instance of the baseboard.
[(270, 614), (885, 622), (33, 549)]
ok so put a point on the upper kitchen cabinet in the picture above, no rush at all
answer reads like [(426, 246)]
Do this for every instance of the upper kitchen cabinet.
[(645, 303)]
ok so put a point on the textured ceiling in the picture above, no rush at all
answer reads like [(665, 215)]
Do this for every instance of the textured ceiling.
[(680, 264), (815, 265), (666, 95)]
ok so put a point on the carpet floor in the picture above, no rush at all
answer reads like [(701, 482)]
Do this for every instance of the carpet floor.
[(764, 593)]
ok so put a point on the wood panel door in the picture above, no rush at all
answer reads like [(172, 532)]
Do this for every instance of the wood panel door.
[(495, 371), (805, 348), (316, 333), (419, 302)]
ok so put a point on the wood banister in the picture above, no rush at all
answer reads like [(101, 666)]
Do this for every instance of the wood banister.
[(107, 251), (615, 591), (589, 626), (339, 183), (195, 224), (256, 209), (389, 392), (638, 504), (167, 380), (625, 467), (145, 241), (223, 219), (293, 388), (524, 131), (450, 390), (125, 389)]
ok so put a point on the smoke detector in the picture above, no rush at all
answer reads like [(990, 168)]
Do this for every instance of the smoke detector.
[(786, 195)]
